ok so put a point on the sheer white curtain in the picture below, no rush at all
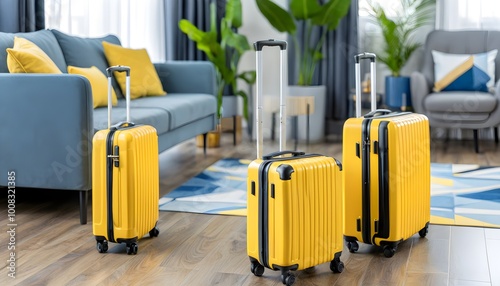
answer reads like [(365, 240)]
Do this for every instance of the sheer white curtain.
[(137, 23), (468, 15)]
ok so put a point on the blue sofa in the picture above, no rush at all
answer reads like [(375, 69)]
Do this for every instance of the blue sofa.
[(48, 120)]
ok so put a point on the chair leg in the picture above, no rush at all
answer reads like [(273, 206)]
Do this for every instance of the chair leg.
[(476, 143), (205, 136), (83, 207), (496, 134), (234, 130)]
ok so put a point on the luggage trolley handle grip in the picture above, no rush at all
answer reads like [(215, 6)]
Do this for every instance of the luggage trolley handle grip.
[(373, 77), (258, 46), (376, 112), (109, 72), (281, 153)]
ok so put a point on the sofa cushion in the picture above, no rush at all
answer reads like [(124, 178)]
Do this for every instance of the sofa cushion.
[(144, 80), (156, 117), (44, 39), (460, 102), (26, 57), (86, 52), (98, 83), (183, 108)]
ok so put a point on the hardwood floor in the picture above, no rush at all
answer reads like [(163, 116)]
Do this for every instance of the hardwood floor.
[(52, 248)]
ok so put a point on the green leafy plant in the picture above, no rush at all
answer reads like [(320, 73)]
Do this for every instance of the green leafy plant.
[(224, 50), (313, 14), (399, 31)]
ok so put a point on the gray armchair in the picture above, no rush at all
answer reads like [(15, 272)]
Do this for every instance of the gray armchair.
[(458, 109)]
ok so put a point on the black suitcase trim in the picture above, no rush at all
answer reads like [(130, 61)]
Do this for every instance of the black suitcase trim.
[(109, 183)]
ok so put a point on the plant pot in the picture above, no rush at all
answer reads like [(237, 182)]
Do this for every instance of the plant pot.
[(316, 118), (213, 138), (397, 92)]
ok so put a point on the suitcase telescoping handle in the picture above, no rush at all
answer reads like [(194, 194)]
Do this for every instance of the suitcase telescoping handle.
[(373, 79), (110, 71), (259, 45)]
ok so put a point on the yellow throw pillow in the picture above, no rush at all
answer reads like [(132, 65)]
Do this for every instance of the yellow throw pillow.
[(99, 84), (144, 80), (26, 57)]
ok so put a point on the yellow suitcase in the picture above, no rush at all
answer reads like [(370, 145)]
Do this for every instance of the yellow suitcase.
[(386, 160), (294, 201), (125, 181)]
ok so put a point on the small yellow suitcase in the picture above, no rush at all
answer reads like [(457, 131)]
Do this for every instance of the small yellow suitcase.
[(294, 201), (386, 160), (125, 180)]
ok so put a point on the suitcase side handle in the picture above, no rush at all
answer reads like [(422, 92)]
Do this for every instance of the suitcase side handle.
[(110, 71), (373, 74), (281, 153)]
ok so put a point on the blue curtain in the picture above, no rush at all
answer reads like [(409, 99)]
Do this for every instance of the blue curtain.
[(336, 71), (22, 15)]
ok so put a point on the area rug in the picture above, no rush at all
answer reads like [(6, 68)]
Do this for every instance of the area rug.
[(466, 195)]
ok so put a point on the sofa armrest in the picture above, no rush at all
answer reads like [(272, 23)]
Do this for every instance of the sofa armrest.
[(419, 89), (47, 130), (187, 77)]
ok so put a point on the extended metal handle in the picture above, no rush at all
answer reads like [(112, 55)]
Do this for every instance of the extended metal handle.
[(259, 99), (373, 79), (110, 71)]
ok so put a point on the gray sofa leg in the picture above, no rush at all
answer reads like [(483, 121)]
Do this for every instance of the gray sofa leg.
[(83, 207), (496, 134), (476, 143)]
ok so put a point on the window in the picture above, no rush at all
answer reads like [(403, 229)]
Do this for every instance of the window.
[(137, 23), (468, 14)]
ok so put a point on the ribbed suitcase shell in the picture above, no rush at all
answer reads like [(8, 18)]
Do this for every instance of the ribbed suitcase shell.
[(135, 190), (304, 218), (408, 179)]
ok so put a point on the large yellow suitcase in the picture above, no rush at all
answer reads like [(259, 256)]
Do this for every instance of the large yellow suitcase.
[(294, 201), (125, 181), (386, 160)]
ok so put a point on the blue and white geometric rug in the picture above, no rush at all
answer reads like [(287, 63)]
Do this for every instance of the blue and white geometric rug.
[(465, 195), (460, 194)]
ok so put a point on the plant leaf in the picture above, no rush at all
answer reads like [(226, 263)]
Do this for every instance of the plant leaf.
[(304, 9), (277, 16), (233, 13), (331, 13), (248, 76)]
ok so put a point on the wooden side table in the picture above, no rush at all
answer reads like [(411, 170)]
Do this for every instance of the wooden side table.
[(295, 106)]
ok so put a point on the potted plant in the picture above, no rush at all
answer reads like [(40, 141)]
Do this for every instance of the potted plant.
[(398, 34), (224, 50), (312, 15)]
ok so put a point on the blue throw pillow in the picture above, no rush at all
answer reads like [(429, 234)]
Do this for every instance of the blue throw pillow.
[(463, 72), (86, 52)]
